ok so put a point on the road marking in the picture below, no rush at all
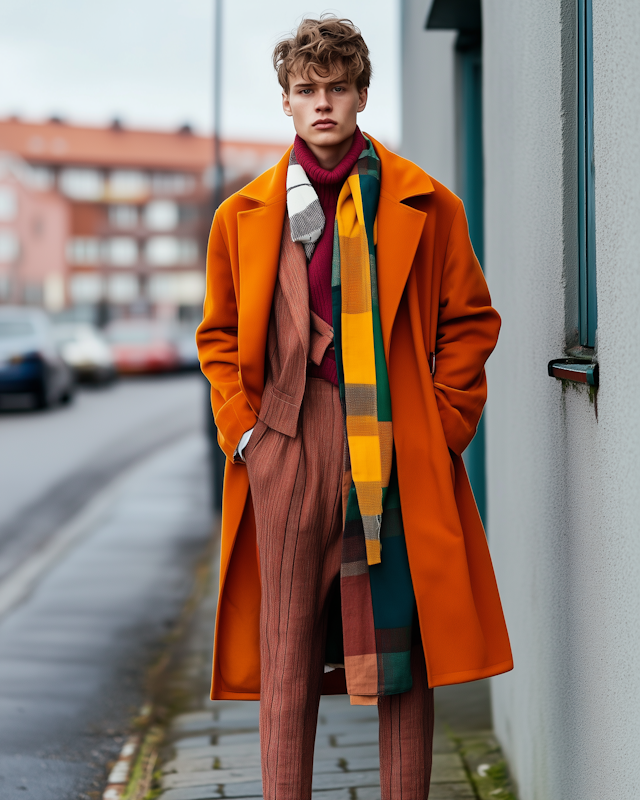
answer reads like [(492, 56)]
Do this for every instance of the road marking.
[(17, 586)]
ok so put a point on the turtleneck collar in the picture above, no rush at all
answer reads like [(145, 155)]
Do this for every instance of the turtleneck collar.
[(316, 173)]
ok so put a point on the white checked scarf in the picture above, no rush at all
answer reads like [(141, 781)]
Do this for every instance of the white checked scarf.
[(305, 212)]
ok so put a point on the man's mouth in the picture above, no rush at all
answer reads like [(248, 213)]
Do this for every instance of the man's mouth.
[(324, 124)]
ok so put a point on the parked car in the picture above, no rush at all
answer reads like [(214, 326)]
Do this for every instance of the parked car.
[(185, 340), (142, 345), (86, 351), (30, 363)]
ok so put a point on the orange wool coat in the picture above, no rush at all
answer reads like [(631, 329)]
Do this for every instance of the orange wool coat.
[(433, 299)]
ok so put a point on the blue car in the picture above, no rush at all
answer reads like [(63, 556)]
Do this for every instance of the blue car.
[(30, 363)]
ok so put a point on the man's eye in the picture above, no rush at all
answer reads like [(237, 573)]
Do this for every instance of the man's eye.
[(338, 89), (306, 91)]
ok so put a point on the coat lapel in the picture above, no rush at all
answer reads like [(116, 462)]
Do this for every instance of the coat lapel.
[(259, 235), (399, 231)]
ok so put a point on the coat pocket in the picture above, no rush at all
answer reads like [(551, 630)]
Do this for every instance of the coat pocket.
[(259, 431)]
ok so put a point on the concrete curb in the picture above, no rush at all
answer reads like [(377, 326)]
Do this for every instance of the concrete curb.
[(119, 776), (124, 779)]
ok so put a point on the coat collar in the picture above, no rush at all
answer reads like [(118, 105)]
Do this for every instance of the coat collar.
[(400, 178)]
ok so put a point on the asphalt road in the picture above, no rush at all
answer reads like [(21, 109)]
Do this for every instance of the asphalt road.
[(53, 461), (74, 652)]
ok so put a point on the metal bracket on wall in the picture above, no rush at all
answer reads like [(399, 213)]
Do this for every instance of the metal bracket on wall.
[(571, 369)]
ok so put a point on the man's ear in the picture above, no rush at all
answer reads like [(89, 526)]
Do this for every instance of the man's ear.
[(286, 105), (363, 96)]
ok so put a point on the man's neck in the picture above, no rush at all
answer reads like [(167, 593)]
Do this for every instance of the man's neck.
[(329, 157)]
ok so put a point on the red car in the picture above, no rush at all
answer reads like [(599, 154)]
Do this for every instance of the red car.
[(142, 345)]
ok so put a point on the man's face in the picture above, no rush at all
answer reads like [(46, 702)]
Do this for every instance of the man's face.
[(323, 109)]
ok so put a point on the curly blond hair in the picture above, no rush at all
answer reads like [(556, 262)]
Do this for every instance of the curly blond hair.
[(324, 44)]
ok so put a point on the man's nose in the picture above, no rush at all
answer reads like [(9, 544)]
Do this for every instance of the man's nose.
[(323, 103)]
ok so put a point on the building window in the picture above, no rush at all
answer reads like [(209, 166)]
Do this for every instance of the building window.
[(188, 214), (8, 203), (42, 178), (161, 215), (180, 288), (587, 306), (169, 251), (174, 183), (9, 247), (123, 216), (83, 250), (122, 288), (128, 184), (121, 251), (53, 293), (86, 288), (82, 184)]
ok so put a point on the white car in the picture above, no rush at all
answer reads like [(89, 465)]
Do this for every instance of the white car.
[(86, 351)]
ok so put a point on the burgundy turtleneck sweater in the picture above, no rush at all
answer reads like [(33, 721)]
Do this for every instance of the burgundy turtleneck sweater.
[(327, 184)]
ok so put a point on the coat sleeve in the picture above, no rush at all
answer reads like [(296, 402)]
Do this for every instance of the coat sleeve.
[(217, 339), (466, 334)]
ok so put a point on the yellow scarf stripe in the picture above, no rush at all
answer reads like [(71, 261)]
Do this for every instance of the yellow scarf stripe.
[(368, 465)]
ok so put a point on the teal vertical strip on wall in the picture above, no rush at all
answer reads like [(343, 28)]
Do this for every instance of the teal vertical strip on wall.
[(472, 190), (588, 317)]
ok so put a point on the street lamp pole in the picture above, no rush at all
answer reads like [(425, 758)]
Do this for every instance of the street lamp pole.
[(216, 455), (218, 168)]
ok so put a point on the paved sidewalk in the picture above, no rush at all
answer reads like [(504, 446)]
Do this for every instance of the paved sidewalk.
[(217, 755), (212, 750)]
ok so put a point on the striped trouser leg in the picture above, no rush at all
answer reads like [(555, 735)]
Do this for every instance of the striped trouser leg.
[(296, 487), (406, 737)]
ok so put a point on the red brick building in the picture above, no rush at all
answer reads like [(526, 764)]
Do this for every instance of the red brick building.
[(139, 209), (34, 229)]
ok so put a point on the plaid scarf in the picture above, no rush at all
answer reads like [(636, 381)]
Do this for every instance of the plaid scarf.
[(306, 216), (376, 590)]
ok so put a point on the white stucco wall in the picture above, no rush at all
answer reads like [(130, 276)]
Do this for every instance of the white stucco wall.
[(563, 488), (428, 111)]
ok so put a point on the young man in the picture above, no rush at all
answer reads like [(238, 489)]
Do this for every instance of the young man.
[(346, 326)]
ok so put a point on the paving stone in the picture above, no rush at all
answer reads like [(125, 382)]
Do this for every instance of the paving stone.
[(243, 789), (450, 791), (365, 793), (192, 720), (447, 768), (349, 764), (214, 729), (245, 710), (194, 793), (192, 742), (344, 780), (188, 764), (348, 715), (221, 776), (353, 752), (214, 750), (349, 739), (238, 738), (443, 744)]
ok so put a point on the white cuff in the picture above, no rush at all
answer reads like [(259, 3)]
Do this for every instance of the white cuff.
[(244, 441)]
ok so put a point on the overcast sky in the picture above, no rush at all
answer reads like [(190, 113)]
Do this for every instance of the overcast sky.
[(149, 62)]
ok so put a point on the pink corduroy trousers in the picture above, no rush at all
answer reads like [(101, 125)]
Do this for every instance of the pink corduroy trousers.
[(296, 486)]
